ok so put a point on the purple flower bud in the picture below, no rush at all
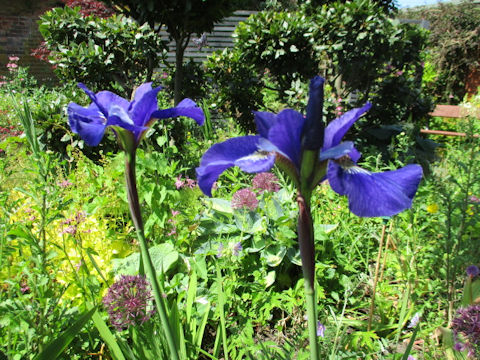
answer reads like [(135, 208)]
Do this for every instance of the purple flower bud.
[(220, 250), (129, 301), (472, 271), (320, 329), (237, 248), (244, 198), (414, 321)]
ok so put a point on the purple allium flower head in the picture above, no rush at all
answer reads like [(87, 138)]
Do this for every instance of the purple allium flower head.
[(410, 357), (129, 301), (65, 183), (472, 271), (320, 329), (467, 324), (265, 181), (459, 346), (237, 247), (244, 198), (414, 321)]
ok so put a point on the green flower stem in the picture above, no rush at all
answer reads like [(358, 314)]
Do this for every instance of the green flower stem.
[(307, 253), (375, 281), (135, 211)]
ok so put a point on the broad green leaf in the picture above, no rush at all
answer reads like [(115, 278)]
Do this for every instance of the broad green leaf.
[(274, 255), (163, 256)]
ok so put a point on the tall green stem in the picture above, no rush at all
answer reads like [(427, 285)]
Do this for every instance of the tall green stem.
[(135, 211), (307, 253)]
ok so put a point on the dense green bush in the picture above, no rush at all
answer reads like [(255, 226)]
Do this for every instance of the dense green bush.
[(106, 54), (235, 86), (364, 56), (282, 42)]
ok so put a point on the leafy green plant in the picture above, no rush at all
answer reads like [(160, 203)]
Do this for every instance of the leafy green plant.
[(112, 53)]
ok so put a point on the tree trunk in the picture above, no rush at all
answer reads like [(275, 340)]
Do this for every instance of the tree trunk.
[(179, 51)]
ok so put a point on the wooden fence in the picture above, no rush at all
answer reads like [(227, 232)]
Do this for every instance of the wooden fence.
[(219, 39)]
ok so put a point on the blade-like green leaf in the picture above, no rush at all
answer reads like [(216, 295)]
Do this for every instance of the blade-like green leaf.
[(58, 346)]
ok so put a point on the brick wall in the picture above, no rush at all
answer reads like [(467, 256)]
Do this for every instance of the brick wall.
[(19, 35)]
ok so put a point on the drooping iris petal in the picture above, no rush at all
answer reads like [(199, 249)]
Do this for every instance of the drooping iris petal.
[(144, 104), (338, 151), (107, 99), (186, 107), (89, 123), (286, 134), (355, 155), (375, 194), (264, 121), (142, 90), (337, 129), (241, 151), (118, 117)]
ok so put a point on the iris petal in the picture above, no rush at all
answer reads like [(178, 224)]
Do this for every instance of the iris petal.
[(336, 130), (108, 99), (375, 194), (89, 123), (241, 151), (119, 117), (338, 151), (144, 105), (186, 107), (264, 121), (286, 134), (141, 91)]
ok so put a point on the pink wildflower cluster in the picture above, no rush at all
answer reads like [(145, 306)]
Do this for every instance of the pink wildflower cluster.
[(129, 301), (265, 181), (173, 223), (244, 199), (186, 183), (12, 65), (338, 108), (71, 224), (466, 326), (474, 199), (65, 183), (9, 131), (24, 288)]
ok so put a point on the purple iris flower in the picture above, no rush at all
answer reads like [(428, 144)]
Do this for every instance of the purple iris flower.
[(109, 109), (280, 140)]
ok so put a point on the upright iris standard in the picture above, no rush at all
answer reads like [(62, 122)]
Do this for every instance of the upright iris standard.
[(130, 121), (308, 152)]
